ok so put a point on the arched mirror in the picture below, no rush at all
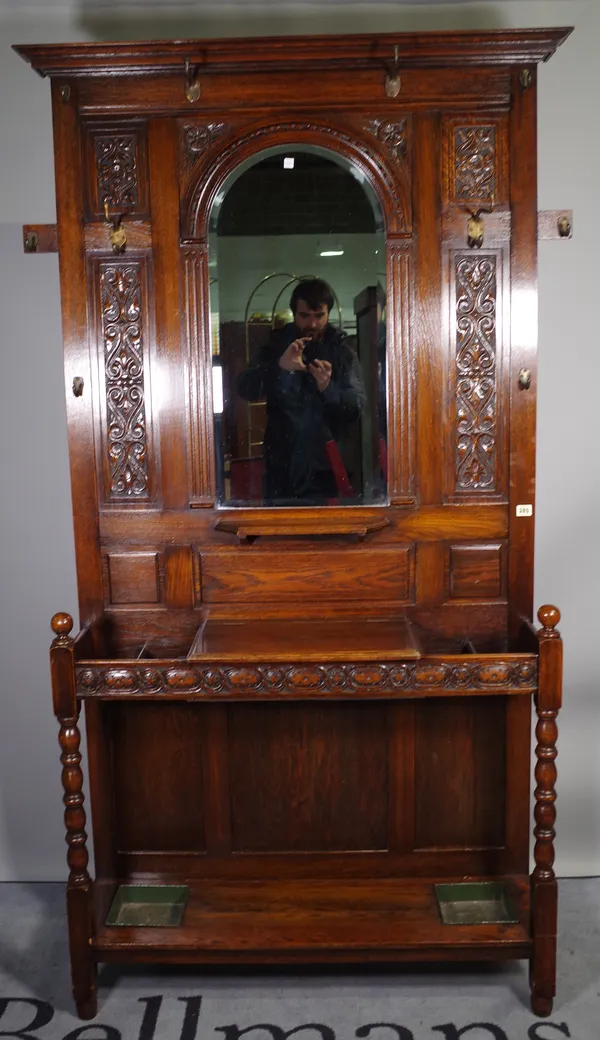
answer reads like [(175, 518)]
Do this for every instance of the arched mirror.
[(298, 295)]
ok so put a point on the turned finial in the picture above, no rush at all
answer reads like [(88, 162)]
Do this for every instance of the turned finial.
[(548, 616), (62, 624)]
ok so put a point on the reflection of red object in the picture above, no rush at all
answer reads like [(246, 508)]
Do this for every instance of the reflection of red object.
[(383, 457), (339, 470), (247, 479)]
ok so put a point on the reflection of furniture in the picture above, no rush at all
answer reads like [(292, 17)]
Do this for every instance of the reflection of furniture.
[(246, 476), (353, 723)]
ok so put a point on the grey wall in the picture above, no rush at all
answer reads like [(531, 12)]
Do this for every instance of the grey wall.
[(37, 575)]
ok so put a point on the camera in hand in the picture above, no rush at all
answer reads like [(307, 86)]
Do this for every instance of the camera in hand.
[(309, 353)]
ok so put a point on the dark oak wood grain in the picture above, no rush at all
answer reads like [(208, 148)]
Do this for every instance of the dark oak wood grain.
[(306, 714)]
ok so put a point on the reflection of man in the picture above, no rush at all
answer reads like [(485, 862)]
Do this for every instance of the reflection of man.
[(313, 387)]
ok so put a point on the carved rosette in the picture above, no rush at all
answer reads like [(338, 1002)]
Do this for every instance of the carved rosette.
[(475, 372), (120, 293), (283, 680), (475, 163), (392, 136), (117, 171), (198, 137)]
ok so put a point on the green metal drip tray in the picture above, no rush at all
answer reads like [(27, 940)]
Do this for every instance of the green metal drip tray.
[(476, 902), (148, 906)]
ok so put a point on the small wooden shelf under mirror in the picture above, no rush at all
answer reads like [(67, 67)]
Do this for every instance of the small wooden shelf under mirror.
[(292, 640), (272, 526)]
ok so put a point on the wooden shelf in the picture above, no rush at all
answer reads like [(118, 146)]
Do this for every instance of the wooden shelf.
[(328, 639), (329, 919), (279, 527)]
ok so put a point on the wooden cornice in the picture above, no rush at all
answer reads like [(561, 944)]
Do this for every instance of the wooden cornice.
[(414, 50)]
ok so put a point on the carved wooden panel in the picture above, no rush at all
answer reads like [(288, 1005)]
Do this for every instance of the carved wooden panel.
[(133, 577), (475, 571), (475, 156), (433, 677), (117, 165), (475, 373), (285, 577), (120, 290)]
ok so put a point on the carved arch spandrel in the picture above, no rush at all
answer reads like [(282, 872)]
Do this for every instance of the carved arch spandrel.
[(225, 152)]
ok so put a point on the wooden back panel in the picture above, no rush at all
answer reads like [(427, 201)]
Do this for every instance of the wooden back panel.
[(460, 453)]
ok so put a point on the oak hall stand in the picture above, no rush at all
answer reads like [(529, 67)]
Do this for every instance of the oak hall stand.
[(308, 716)]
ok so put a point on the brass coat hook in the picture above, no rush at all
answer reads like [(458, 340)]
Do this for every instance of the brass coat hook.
[(393, 82), (475, 227), (118, 237), (192, 82)]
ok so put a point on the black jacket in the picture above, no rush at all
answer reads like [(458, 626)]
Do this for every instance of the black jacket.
[(300, 419)]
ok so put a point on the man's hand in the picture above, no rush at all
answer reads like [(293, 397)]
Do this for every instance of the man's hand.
[(321, 373), (291, 359)]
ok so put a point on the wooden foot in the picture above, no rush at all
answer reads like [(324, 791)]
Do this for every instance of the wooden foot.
[(87, 1008), (541, 1006)]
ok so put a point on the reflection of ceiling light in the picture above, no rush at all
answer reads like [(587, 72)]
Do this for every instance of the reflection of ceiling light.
[(332, 252), (288, 162)]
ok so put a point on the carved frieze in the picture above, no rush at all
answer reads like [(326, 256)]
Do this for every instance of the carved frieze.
[(402, 679), (475, 163), (126, 439), (475, 373)]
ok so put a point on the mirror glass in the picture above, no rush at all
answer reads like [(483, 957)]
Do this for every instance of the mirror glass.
[(298, 294)]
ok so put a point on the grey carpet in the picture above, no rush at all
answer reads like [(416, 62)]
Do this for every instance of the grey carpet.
[(420, 1003)]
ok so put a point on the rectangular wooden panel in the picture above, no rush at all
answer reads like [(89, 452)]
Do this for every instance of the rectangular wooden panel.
[(157, 777), (475, 571), (133, 577), (460, 773), (308, 777), (179, 576), (254, 576)]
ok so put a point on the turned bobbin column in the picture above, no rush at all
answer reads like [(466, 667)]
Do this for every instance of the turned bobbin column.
[(544, 889), (79, 884)]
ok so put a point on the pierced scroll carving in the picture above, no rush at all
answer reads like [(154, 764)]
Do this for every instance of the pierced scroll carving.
[(120, 291), (281, 681), (476, 373), (475, 163), (392, 135), (117, 171)]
